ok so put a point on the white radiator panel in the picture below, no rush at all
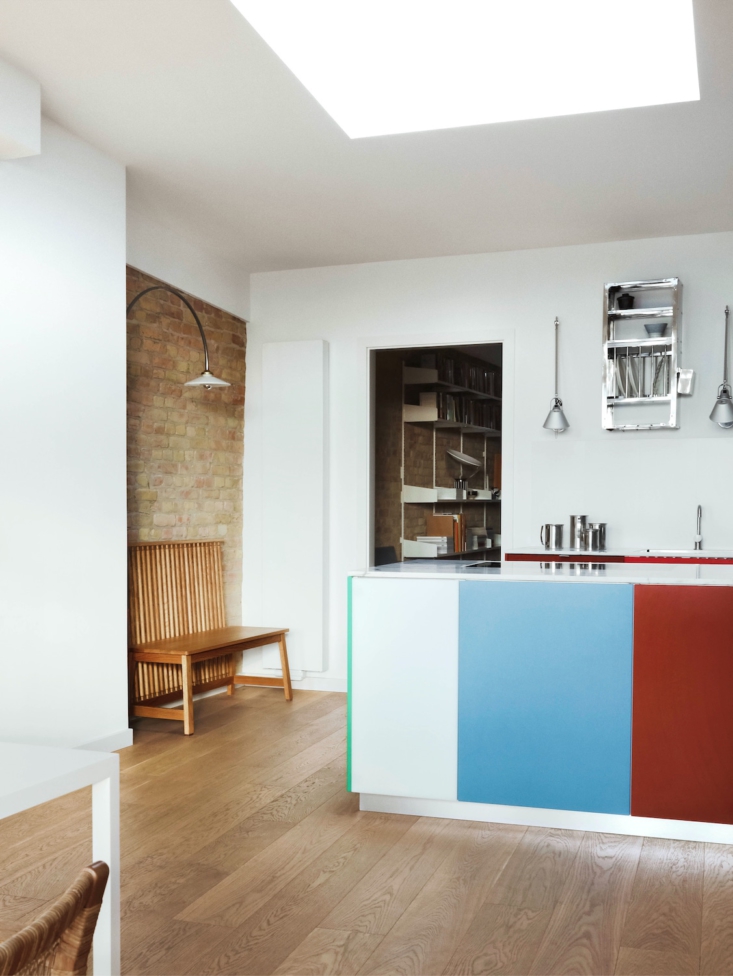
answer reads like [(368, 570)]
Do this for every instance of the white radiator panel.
[(295, 498)]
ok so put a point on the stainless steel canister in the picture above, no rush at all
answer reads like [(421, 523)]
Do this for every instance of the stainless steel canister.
[(551, 535), (597, 536), (578, 532)]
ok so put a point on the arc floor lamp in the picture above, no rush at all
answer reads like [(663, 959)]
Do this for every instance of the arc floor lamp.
[(207, 378)]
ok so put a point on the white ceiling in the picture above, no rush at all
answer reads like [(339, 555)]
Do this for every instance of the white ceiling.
[(223, 143)]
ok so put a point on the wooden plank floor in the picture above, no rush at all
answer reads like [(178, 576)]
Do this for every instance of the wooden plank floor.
[(243, 853)]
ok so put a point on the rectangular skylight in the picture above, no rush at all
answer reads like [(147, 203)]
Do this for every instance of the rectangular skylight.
[(386, 66)]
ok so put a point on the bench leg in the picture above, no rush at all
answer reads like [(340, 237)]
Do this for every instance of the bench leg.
[(285, 668), (187, 673)]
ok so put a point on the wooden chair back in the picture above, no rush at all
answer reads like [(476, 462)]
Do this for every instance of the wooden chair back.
[(59, 940), (175, 588)]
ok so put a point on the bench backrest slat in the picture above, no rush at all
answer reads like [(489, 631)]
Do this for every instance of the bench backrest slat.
[(175, 588)]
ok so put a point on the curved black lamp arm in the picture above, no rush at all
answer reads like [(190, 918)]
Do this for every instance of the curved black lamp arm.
[(187, 304)]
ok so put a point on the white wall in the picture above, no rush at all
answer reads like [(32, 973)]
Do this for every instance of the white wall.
[(180, 261), (646, 485), (20, 113), (294, 404), (62, 428)]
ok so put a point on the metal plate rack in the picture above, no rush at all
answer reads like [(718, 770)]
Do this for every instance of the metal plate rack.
[(639, 370)]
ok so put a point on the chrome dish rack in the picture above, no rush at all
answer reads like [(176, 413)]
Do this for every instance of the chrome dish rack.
[(640, 370)]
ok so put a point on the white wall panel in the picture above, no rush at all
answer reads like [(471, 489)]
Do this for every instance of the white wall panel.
[(63, 572), (404, 712), (294, 498), (20, 113), (175, 256)]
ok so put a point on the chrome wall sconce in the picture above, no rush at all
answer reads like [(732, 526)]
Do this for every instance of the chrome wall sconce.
[(556, 419), (206, 379), (722, 413)]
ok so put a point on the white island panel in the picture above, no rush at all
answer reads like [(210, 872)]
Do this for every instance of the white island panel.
[(404, 709)]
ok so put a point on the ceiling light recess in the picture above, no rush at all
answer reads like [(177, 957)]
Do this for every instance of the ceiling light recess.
[(387, 66)]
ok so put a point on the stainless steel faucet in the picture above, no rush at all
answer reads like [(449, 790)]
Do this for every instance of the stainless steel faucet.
[(698, 537)]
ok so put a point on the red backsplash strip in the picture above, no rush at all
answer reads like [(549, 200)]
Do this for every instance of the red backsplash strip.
[(599, 557), (551, 557), (676, 560)]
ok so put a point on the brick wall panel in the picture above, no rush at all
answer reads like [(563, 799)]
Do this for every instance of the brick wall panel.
[(185, 444)]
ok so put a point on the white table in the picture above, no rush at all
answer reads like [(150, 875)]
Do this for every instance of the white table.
[(30, 775)]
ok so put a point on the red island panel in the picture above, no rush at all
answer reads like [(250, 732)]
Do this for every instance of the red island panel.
[(674, 560), (682, 739)]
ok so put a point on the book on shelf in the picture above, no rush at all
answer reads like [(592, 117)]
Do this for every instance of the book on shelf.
[(453, 368), (459, 408), (496, 478), (459, 533), (439, 524), (482, 379), (447, 526)]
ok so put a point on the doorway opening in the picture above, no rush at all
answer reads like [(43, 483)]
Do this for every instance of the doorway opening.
[(436, 440)]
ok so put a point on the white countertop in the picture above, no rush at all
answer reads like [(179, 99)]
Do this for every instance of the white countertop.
[(31, 774), (584, 571)]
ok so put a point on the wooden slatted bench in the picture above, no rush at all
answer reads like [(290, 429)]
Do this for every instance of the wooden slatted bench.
[(179, 644)]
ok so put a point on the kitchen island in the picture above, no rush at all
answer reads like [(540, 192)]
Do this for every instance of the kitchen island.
[(582, 695)]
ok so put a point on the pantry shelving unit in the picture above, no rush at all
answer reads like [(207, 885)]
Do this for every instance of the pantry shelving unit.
[(446, 500), (639, 370)]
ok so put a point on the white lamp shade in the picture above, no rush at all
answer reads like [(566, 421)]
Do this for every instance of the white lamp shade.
[(556, 419), (208, 380), (722, 412)]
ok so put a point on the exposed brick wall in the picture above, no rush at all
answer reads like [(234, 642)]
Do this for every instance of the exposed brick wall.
[(185, 444)]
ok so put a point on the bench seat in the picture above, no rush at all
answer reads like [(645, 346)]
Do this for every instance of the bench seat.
[(178, 644), (190, 649)]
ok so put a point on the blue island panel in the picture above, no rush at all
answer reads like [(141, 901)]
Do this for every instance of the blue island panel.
[(544, 695)]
